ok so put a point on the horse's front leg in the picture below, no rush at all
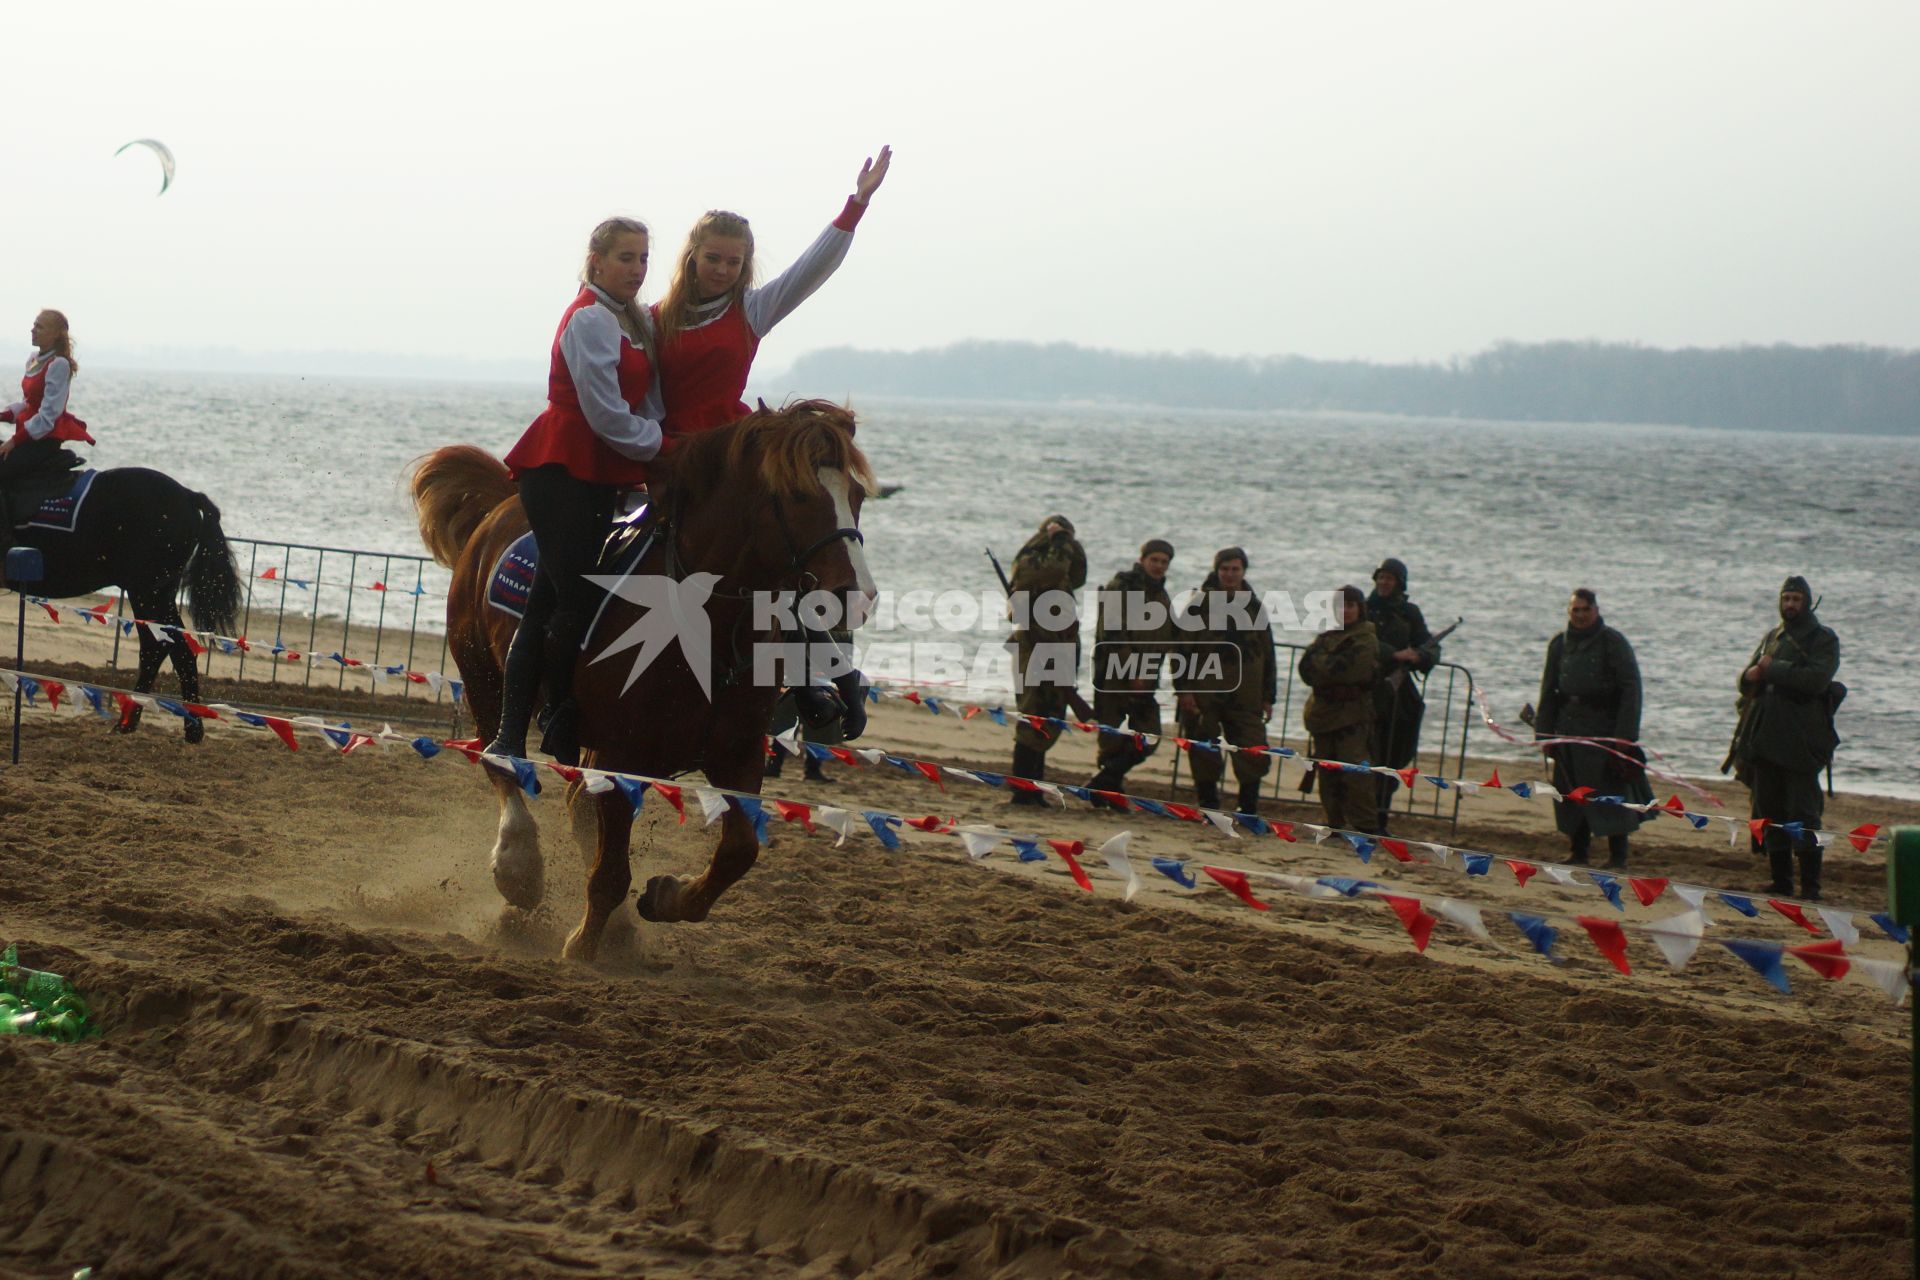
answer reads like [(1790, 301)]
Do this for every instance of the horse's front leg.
[(153, 652), (519, 872), (186, 668), (676, 898), (608, 878)]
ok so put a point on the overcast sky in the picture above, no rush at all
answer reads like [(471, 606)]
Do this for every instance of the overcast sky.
[(1377, 180)]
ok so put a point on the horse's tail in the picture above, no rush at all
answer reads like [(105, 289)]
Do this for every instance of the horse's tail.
[(454, 489), (213, 585)]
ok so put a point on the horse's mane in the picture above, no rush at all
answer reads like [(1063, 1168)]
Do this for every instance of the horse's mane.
[(783, 448)]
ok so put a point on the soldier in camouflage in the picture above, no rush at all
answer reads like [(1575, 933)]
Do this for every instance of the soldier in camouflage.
[(1135, 632), (1226, 622), (1046, 648), (1341, 667)]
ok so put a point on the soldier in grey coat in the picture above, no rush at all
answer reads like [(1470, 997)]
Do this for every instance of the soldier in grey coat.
[(1785, 735), (1590, 688)]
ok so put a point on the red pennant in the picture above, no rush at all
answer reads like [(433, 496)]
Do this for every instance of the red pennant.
[(193, 645), (1186, 813), (1792, 911), (931, 772), (1494, 781), (1038, 723), (1419, 923), (283, 730), (468, 747), (1759, 829), (127, 708), (1522, 871), (844, 756), (1398, 848), (53, 689), (1185, 744), (200, 709), (1862, 836), (794, 811), (1407, 775), (929, 824), (970, 713), (566, 771), (378, 586), (1256, 749), (1673, 805), (1085, 726), (1828, 959), (1022, 784), (1235, 882), (1284, 830), (51, 611), (1069, 851), (671, 794), (355, 741), (1647, 889), (1610, 938), (912, 696), (1140, 743), (246, 646), (1117, 799), (416, 677), (272, 574), (1579, 794)]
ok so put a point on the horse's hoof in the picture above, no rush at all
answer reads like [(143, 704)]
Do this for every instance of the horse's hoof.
[(660, 900), (196, 730), (128, 723), (580, 948), (522, 882)]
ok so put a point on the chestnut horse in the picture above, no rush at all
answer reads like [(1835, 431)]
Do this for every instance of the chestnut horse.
[(766, 505)]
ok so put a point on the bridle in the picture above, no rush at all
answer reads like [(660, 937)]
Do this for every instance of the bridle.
[(798, 564)]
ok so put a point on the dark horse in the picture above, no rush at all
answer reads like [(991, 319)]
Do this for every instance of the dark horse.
[(768, 504), (143, 531)]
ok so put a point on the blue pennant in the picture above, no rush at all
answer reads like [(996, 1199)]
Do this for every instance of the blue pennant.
[(756, 814), (1153, 807), (881, 822), (1079, 793), (991, 779), (1441, 783), (340, 736), (1478, 864), (171, 707), (1029, 850), (524, 773), (1361, 845), (1743, 905), (931, 703), (998, 716), (1522, 789), (1538, 931), (904, 766), (1609, 886), (815, 750), (873, 693), (426, 746), (1347, 885), (1891, 927), (1765, 959), (1175, 870), (454, 689), (30, 688), (633, 789), (96, 699), (1209, 744), (1253, 822), (1285, 753)]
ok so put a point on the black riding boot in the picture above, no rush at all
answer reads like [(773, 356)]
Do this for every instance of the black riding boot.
[(1032, 765), (1780, 860), (1811, 855), (813, 772), (775, 759), (1579, 842), (1206, 794), (1617, 852), (520, 687), (561, 719), (1249, 798)]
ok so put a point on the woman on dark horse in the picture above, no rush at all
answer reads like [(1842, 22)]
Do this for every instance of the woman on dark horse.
[(137, 529), (41, 423), (599, 429)]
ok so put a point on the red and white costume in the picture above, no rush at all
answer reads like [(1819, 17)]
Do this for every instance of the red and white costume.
[(703, 369), (602, 420), (41, 412)]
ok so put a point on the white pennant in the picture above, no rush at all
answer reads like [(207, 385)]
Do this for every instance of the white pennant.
[(1695, 897), (789, 741), (836, 820), (1222, 821), (599, 783), (435, 680), (1678, 937), (1823, 839), (1840, 925), (1466, 915), (872, 755), (1049, 788), (1115, 852), (1888, 975), (1560, 874), (979, 843), (712, 804), (1318, 833), (1733, 832), (1546, 791), (952, 772), (1438, 851)]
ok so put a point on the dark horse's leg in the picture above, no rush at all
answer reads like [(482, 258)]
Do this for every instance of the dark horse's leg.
[(611, 874), (161, 608), (735, 766)]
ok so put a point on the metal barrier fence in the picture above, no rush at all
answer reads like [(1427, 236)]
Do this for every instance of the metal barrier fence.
[(1456, 695), (383, 608)]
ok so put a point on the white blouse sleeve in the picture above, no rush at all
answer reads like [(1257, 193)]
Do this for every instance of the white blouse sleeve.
[(591, 348), (54, 402), (774, 301)]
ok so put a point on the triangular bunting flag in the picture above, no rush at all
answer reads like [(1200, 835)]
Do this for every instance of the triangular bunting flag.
[(1609, 937), (1419, 924), (1828, 959), (1235, 882), (1765, 959), (1115, 853), (1678, 937)]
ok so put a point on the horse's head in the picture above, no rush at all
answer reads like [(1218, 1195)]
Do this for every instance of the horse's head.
[(790, 482)]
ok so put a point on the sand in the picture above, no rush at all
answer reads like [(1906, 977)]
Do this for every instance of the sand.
[(329, 1051)]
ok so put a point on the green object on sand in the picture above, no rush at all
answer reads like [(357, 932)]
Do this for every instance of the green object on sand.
[(36, 1003)]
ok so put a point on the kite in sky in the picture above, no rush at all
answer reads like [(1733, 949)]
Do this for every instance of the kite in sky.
[(166, 160)]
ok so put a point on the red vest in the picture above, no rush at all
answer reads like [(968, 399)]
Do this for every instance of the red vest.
[(704, 370), (33, 389), (562, 434)]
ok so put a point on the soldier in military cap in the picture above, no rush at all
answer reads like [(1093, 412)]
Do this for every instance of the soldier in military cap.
[(1341, 667), (1135, 630), (1046, 649), (1590, 688), (1227, 624), (1786, 736)]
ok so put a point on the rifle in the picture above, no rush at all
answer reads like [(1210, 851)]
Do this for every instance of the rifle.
[(1077, 703), (1398, 676)]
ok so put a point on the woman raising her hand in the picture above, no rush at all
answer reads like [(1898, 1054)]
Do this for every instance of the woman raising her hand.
[(712, 318)]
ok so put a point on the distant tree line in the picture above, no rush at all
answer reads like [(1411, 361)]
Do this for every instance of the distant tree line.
[(1779, 388)]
